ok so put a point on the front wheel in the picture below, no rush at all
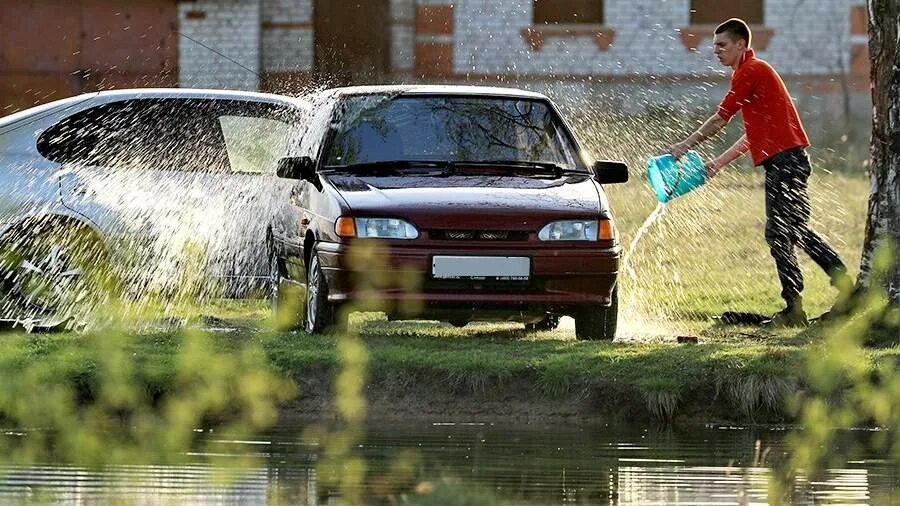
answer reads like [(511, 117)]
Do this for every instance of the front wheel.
[(598, 323), (287, 299), (320, 314)]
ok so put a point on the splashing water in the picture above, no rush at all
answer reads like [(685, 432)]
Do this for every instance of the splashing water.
[(636, 323), (180, 218), (655, 215)]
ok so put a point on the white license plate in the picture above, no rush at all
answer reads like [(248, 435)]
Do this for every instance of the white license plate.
[(471, 267)]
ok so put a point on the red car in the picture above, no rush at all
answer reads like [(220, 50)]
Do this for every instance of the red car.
[(481, 196)]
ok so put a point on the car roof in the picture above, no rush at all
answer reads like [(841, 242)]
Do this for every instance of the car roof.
[(432, 89), (31, 114), (196, 93)]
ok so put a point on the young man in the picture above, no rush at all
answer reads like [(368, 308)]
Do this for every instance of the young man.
[(776, 140)]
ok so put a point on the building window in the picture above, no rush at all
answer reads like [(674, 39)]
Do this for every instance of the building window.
[(571, 19), (568, 12), (713, 12), (707, 13)]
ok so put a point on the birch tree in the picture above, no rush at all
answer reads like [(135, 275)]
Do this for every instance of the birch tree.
[(883, 221)]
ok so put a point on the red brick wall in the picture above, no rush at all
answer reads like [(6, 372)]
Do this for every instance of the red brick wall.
[(434, 40), (51, 49)]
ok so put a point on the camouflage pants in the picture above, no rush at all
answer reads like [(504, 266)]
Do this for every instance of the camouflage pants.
[(787, 223)]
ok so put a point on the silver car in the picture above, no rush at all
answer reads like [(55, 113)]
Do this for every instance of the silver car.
[(150, 191)]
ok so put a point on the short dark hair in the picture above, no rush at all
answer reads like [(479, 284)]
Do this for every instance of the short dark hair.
[(736, 28)]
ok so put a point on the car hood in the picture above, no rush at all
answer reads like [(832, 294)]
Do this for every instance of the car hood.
[(472, 201)]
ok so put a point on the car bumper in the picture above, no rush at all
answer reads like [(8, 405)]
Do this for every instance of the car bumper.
[(560, 276)]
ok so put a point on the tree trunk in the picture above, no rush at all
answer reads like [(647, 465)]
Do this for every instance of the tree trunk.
[(883, 222)]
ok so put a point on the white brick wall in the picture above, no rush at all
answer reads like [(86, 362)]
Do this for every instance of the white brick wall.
[(231, 27), (287, 11), (287, 48), (810, 37)]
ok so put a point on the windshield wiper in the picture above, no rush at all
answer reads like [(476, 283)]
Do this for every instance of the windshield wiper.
[(388, 166), (521, 164)]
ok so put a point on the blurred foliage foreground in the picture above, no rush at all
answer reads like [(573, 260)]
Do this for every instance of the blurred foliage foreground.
[(117, 395)]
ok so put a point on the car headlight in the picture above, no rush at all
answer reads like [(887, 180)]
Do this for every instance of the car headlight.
[(578, 230), (381, 228)]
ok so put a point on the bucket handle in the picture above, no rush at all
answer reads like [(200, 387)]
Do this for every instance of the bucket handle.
[(670, 189)]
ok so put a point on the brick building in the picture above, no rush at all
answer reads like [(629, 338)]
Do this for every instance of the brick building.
[(55, 48)]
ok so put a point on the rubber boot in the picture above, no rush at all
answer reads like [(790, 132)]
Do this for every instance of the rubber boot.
[(791, 316)]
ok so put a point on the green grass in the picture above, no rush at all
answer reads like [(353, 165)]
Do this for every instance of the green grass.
[(747, 373)]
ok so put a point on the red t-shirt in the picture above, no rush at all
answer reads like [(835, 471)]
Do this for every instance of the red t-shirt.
[(770, 118)]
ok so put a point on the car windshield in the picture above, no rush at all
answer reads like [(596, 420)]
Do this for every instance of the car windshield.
[(379, 128)]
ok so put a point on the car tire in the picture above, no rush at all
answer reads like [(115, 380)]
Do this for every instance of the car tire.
[(287, 299), (56, 276), (320, 314), (598, 323), (550, 322)]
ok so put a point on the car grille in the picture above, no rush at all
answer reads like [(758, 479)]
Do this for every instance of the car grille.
[(478, 235)]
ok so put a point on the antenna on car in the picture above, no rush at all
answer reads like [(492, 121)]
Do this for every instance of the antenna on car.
[(195, 41)]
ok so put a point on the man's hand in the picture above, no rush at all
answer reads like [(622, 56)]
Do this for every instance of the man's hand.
[(679, 149), (710, 169)]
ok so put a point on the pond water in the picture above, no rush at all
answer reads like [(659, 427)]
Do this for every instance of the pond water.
[(477, 463)]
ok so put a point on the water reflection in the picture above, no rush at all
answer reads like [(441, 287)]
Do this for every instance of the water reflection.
[(728, 485), (194, 484), (506, 465)]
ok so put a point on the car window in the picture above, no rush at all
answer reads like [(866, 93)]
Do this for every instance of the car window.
[(381, 128), (167, 134), (254, 144)]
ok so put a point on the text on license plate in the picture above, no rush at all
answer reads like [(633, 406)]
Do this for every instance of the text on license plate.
[(481, 267)]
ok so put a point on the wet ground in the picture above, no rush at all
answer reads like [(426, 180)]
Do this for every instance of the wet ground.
[(475, 463)]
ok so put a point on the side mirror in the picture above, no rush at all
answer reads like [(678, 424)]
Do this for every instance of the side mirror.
[(301, 167), (610, 172)]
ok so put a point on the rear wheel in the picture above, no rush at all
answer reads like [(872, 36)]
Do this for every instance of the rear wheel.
[(595, 323), (55, 275)]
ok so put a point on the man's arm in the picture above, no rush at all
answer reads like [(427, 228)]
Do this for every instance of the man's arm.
[(731, 154), (709, 128)]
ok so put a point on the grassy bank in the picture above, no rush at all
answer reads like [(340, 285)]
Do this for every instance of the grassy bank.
[(485, 371)]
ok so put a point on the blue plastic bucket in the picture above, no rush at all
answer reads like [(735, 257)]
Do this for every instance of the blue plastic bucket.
[(670, 178)]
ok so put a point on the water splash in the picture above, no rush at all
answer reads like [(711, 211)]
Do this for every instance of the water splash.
[(173, 218), (655, 215)]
